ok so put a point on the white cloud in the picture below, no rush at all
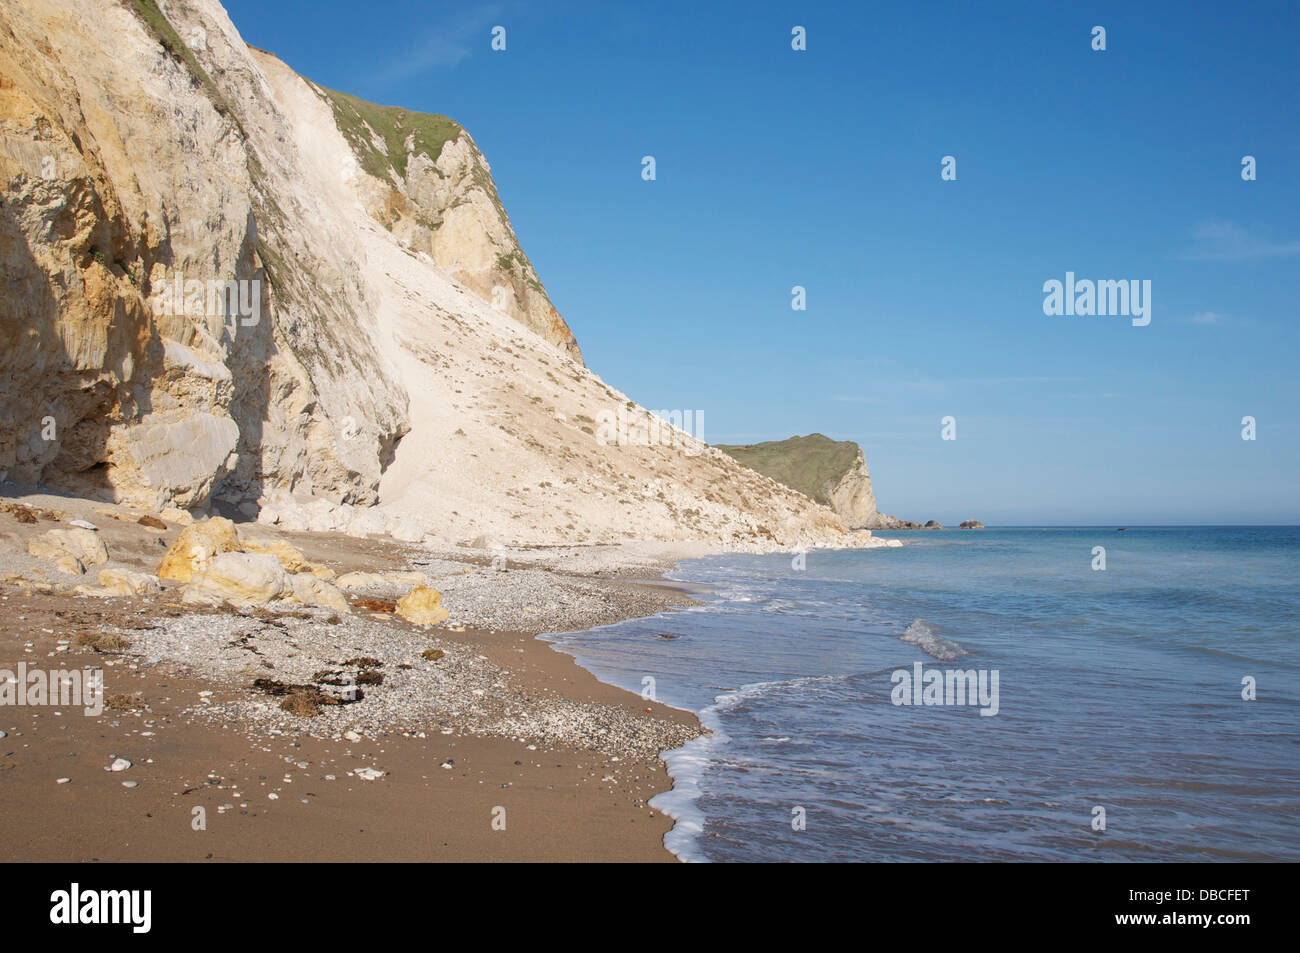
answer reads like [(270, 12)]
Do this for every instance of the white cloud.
[(1228, 241)]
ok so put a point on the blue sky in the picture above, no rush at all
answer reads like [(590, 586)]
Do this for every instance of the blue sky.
[(821, 168)]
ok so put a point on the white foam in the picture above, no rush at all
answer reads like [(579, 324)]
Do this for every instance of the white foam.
[(922, 634)]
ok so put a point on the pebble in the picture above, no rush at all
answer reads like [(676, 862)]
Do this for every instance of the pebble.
[(130, 784), (121, 764)]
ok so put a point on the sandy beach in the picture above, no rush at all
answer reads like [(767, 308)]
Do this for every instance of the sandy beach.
[(474, 740)]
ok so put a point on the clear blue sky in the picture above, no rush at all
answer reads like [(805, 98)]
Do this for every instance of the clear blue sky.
[(822, 168)]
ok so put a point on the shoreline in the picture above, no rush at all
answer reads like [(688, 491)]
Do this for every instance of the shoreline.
[(572, 760)]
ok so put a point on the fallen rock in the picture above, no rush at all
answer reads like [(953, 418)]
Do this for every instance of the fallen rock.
[(367, 521), (240, 579), (83, 544), (406, 531), (292, 520), (310, 590), (422, 606), (126, 582), (197, 546), (71, 565), (174, 514), (152, 522), (291, 558)]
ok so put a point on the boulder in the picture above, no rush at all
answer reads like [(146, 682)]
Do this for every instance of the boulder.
[(291, 558), (367, 521), (125, 582), (322, 516), (197, 546), (82, 544), (174, 514), (422, 606), (971, 524), (293, 520), (312, 591), (406, 531), (240, 579), (71, 565)]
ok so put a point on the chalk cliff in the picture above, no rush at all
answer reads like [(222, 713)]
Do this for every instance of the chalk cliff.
[(225, 286)]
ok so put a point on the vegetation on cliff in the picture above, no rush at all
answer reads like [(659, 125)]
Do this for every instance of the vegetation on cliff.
[(812, 465)]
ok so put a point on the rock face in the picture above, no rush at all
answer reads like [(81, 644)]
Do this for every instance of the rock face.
[(225, 287), (432, 188), (157, 345)]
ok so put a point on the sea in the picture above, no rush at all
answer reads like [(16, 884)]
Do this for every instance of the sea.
[(1017, 694)]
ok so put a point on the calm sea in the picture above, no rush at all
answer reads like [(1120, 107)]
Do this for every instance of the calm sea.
[(1116, 728)]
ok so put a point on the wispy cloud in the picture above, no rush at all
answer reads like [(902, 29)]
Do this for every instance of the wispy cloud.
[(1228, 241), (442, 47)]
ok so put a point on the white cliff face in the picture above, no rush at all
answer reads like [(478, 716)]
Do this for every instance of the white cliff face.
[(852, 497), (134, 192), (364, 363)]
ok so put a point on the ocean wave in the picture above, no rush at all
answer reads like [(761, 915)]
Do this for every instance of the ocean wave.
[(924, 636), (688, 765)]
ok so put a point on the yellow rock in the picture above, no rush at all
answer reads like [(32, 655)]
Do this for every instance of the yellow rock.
[(291, 558), (240, 579), (125, 582), (319, 571), (82, 544), (197, 546), (422, 606)]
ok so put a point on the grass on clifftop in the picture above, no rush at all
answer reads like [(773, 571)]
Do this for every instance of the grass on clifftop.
[(806, 464), (357, 118)]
